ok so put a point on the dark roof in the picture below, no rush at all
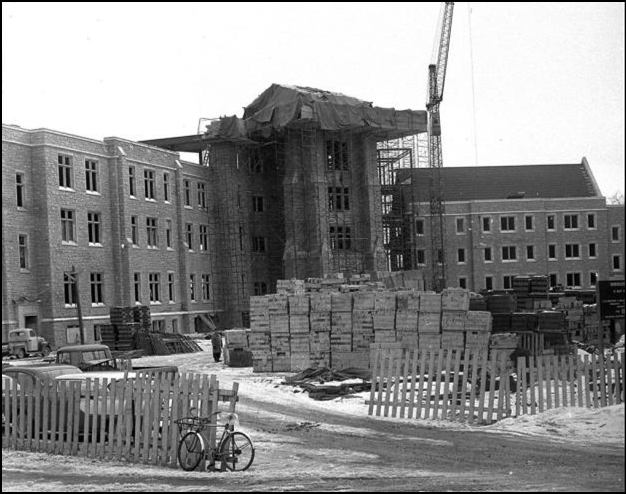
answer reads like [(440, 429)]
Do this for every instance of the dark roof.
[(473, 183)]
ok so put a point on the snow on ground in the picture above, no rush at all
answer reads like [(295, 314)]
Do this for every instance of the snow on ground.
[(602, 425)]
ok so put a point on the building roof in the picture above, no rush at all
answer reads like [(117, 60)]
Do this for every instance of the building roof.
[(475, 183), (281, 105)]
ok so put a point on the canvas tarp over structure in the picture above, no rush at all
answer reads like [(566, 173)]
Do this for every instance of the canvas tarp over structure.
[(280, 105)]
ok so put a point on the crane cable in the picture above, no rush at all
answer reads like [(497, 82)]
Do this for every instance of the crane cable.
[(472, 83)]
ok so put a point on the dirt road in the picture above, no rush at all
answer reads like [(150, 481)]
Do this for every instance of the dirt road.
[(309, 449)]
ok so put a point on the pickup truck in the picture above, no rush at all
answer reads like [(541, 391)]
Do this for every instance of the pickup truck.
[(96, 358), (22, 342)]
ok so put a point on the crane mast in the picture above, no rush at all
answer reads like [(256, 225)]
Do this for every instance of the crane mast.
[(437, 75)]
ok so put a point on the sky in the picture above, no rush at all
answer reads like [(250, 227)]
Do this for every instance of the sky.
[(527, 83)]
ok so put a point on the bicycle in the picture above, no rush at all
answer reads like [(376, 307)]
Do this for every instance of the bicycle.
[(235, 450)]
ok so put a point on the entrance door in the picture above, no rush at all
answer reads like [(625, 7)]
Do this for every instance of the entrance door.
[(31, 322)]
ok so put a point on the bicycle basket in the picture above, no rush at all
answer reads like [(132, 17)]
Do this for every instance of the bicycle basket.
[(191, 424)]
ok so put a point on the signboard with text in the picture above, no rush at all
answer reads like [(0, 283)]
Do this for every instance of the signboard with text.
[(611, 299)]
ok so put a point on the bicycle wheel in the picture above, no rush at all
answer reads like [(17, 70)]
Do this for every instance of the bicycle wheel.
[(237, 451), (191, 451)]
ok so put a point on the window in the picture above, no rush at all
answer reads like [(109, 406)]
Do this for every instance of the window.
[(531, 255), (204, 238), (616, 234), (485, 223), (593, 278), (171, 292), (462, 283), (420, 257), (69, 292), (616, 262), (149, 185), (95, 280), (552, 252), (338, 199), (460, 225), (153, 286), (509, 252), (259, 244), (420, 226), (67, 226), (440, 258), (168, 234), (552, 279), (65, 171), (340, 237), (187, 193), (260, 288), (461, 256), (20, 198), (592, 221), (202, 197), (93, 228), (528, 222), (151, 233), (192, 287), (508, 281), (571, 251), (550, 222), (487, 254), (387, 200), (166, 187), (91, 175), (137, 288), (134, 239), (132, 184), (22, 245), (189, 236), (571, 221), (337, 155), (508, 223), (592, 251), (489, 283), (258, 204), (573, 279), (205, 287)]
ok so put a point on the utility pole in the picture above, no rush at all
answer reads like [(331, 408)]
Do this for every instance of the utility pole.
[(77, 299)]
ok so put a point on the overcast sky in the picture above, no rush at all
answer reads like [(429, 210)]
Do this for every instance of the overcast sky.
[(549, 78)]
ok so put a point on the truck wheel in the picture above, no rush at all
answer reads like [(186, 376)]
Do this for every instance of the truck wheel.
[(21, 353), (46, 351)]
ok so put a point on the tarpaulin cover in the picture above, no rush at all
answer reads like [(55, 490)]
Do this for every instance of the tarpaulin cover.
[(280, 105)]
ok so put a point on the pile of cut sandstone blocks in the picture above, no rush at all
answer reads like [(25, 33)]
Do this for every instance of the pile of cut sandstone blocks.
[(327, 325)]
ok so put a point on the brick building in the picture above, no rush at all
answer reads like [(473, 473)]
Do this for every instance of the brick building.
[(290, 190), (505, 221)]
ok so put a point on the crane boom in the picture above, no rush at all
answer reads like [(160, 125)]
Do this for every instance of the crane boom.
[(437, 76)]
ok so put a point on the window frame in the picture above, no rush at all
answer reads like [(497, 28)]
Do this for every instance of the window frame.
[(65, 165), (92, 175)]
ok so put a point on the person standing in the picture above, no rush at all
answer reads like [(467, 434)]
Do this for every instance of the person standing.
[(216, 342)]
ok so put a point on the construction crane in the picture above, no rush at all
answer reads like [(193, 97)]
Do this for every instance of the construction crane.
[(437, 75)]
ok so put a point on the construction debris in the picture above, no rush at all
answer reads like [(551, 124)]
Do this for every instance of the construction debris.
[(326, 384)]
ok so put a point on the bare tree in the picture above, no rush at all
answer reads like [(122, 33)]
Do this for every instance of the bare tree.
[(617, 198)]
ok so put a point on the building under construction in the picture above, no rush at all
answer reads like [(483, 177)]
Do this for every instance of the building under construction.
[(300, 187)]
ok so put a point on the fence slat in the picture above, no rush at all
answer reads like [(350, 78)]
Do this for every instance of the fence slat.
[(464, 386), (397, 377), (595, 380), (556, 380), (455, 383), (405, 373), (414, 374), (548, 370), (493, 368), (156, 418), (174, 416), (587, 389), (473, 386), (618, 379), (421, 370), (388, 382), (438, 380), (540, 363), (571, 379), (602, 380), (502, 388), (77, 417), (445, 385), (375, 378), (482, 385), (429, 384)]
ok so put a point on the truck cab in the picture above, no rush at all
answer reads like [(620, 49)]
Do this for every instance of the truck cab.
[(91, 358)]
